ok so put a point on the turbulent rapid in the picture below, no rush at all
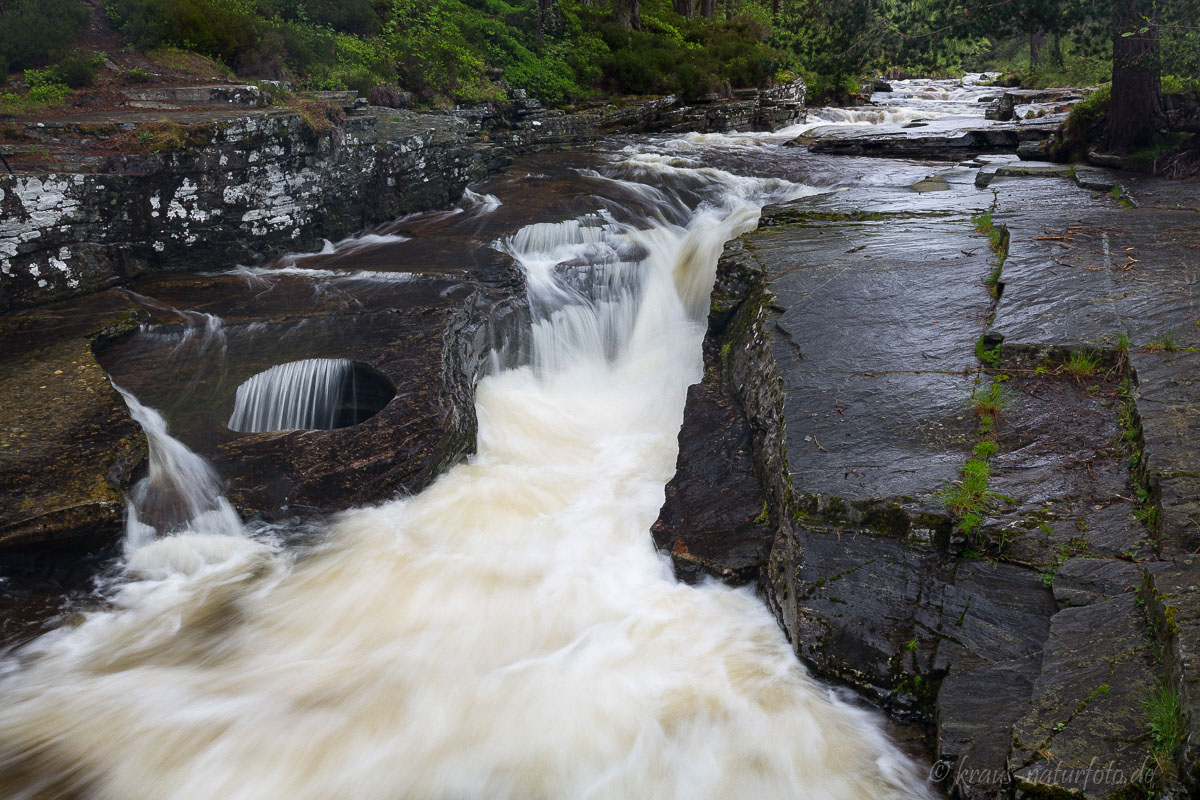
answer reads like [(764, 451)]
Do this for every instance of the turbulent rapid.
[(509, 632)]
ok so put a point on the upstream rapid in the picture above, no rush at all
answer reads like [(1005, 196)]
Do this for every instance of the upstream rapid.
[(509, 632)]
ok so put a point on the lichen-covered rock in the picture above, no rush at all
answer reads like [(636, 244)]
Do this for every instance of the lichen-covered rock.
[(233, 191)]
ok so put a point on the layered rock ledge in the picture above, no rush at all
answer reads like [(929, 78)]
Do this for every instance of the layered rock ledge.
[(852, 349), (98, 199)]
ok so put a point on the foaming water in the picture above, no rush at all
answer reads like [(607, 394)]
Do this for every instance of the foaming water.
[(180, 492), (510, 632)]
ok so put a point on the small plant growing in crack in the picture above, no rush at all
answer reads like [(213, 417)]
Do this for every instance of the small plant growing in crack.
[(1082, 363), (969, 498), (986, 449), (1164, 717), (1118, 194), (1163, 343), (989, 356), (992, 401)]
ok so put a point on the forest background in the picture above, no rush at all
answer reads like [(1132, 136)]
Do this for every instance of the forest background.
[(438, 53)]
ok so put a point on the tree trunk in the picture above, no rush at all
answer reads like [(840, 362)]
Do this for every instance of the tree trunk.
[(707, 7), (686, 8), (628, 14), (1056, 56), (1134, 110), (549, 18), (1037, 38)]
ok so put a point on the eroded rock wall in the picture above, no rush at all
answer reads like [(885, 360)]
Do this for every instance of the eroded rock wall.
[(237, 191)]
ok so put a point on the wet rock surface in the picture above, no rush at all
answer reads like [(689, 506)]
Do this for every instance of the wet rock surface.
[(131, 192), (68, 448), (1023, 634), (934, 143), (714, 520), (226, 191)]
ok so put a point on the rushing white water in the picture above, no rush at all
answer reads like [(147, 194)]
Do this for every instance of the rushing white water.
[(510, 632), (299, 394)]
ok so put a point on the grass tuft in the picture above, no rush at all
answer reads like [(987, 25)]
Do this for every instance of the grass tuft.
[(1082, 363), (1164, 716), (1163, 343), (991, 402), (989, 356)]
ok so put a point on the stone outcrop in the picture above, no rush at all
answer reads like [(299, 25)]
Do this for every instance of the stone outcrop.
[(528, 127), (68, 448), (934, 144), (123, 194), (864, 335), (142, 201), (223, 192)]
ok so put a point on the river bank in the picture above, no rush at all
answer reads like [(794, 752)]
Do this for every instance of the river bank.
[(966, 395)]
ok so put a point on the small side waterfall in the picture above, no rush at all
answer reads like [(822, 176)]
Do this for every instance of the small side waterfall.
[(301, 394), (181, 492), (314, 394)]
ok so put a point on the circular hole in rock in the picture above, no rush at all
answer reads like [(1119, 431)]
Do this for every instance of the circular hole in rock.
[(313, 394)]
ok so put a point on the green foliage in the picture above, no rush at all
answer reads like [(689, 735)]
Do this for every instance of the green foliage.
[(1082, 363), (433, 54), (1163, 343), (691, 57), (135, 75), (1164, 716), (222, 29), (970, 493), (79, 69), (34, 32), (1178, 84), (986, 449), (1088, 114), (982, 222), (991, 401), (453, 51), (45, 89), (988, 356)]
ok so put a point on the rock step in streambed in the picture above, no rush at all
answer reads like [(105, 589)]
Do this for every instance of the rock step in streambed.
[(144, 198), (976, 468)]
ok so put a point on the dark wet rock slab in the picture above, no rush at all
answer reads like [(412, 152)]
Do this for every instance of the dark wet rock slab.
[(1063, 463), (875, 409), (976, 711), (1083, 581), (1168, 404), (714, 518), (1086, 714), (876, 613), (429, 336), (936, 144), (1027, 640)]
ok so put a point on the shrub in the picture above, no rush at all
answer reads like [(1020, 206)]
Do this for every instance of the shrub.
[(34, 32), (218, 28), (79, 69), (135, 75)]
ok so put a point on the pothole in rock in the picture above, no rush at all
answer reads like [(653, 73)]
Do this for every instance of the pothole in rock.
[(313, 394)]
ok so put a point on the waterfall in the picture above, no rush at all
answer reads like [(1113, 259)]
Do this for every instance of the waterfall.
[(301, 394), (180, 491), (510, 632)]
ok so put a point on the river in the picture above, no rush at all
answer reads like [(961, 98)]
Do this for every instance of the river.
[(509, 632)]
